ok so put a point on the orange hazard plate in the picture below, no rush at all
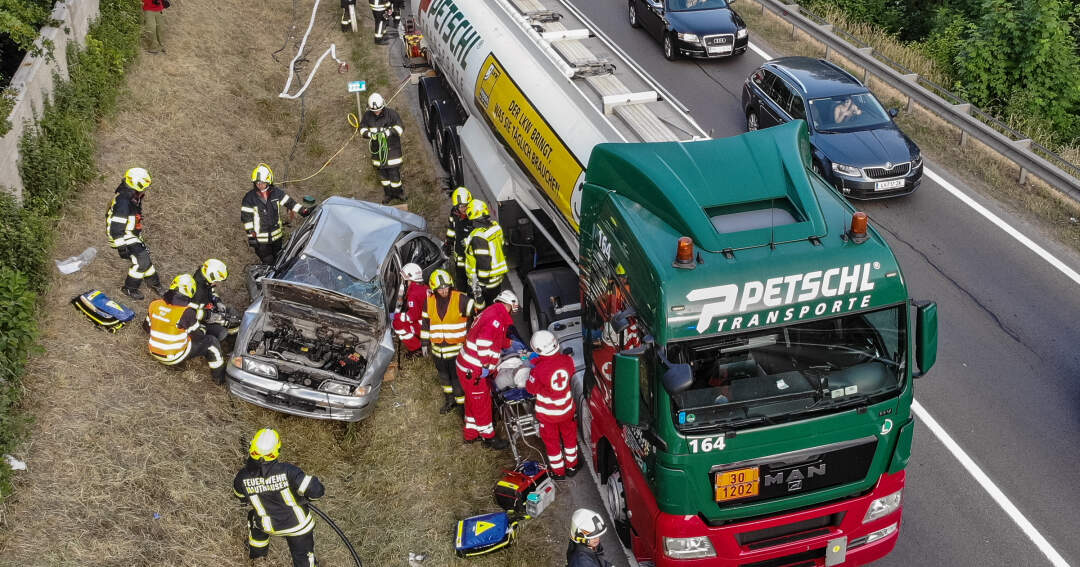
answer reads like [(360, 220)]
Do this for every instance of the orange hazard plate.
[(736, 484)]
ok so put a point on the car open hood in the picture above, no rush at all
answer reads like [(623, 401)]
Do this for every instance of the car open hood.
[(863, 148), (291, 299), (704, 22)]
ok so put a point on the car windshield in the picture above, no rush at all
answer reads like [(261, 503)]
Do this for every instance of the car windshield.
[(791, 372), (314, 272), (845, 113), (691, 5)]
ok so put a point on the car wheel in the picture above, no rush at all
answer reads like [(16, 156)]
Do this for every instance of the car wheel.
[(634, 23), (670, 53), (751, 121)]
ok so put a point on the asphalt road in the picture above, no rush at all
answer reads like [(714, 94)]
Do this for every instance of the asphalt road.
[(1006, 386)]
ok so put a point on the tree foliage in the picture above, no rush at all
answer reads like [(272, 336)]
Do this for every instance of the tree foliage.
[(20, 21)]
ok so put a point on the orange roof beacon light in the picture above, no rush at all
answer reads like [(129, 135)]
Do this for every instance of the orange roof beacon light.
[(858, 227), (684, 254)]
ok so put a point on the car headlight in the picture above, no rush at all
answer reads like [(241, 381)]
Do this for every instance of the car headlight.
[(692, 38), (688, 547), (846, 170), (332, 387), (361, 391), (741, 33), (917, 162), (883, 506), (257, 367)]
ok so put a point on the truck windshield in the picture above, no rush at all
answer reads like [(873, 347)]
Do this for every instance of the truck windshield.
[(791, 372)]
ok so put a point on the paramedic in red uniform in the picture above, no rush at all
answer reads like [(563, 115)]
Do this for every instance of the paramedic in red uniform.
[(406, 322), (549, 381), (477, 360)]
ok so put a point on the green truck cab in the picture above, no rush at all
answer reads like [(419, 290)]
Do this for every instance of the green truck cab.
[(750, 347)]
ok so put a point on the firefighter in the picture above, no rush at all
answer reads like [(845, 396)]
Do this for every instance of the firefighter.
[(585, 550), (381, 12), (206, 300), (445, 320), (278, 493), (549, 381), (458, 228), (124, 221), (382, 127), (175, 332), (484, 343), (260, 216), (485, 259), (412, 296)]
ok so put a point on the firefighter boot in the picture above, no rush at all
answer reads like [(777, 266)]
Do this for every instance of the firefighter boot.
[(154, 283), (496, 443), (448, 405), (131, 288), (219, 375)]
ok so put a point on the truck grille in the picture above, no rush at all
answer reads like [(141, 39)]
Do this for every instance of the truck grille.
[(788, 533), (897, 170)]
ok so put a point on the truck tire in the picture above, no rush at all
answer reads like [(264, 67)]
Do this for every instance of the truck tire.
[(453, 158), (614, 496), (425, 112)]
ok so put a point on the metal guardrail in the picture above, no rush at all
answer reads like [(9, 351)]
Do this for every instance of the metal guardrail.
[(1032, 158)]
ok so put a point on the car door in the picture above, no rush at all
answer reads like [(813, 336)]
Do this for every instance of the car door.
[(421, 248), (774, 107), (652, 17)]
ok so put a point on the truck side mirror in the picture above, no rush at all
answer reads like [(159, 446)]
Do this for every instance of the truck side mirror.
[(678, 378), (627, 389), (621, 320), (926, 331)]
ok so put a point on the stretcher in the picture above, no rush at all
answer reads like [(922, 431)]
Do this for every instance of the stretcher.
[(515, 406)]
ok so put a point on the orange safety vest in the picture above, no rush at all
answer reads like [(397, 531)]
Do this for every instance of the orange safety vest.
[(446, 334), (168, 344)]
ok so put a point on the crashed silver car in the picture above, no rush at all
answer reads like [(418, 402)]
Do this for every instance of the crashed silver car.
[(316, 339)]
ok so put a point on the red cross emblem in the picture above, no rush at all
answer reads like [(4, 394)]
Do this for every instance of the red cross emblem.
[(559, 379)]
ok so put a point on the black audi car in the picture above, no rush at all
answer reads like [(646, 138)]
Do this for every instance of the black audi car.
[(857, 146), (691, 28)]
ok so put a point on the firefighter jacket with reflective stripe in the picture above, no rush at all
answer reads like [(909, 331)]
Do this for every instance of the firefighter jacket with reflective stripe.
[(260, 216), (204, 296), (379, 5), (485, 259), (124, 218), (390, 122), (278, 492), (444, 323), (170, 321), (457, 230), (486, 340), (549, 381)]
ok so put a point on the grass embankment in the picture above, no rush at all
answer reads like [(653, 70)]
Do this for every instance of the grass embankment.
[(131, 462), (977, 166)]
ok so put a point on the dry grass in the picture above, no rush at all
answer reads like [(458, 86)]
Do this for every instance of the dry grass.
[(979, 167), (131, 463)]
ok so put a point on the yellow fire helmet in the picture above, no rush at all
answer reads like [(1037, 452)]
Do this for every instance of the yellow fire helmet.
[(265, 445), (137, 178), (460, 196), (477, 209), (185, 284), (440, 278), (263, 173), (214, 270)]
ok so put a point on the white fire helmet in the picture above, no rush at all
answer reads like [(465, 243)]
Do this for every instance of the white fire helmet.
[(544, 343), (412, 272), (585, 525), (506, 296), (375, 102)]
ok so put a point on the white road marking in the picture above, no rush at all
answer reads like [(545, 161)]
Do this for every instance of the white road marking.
[(761, 53), (1014, 513)]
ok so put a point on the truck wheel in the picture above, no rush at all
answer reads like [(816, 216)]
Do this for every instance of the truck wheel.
[(614, 497), (438, 142), (634, 23), (453, 160), (671, 53), (536, 317), (425, 113)]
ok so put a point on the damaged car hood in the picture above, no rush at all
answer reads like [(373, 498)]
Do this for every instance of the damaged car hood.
[(286, 298)]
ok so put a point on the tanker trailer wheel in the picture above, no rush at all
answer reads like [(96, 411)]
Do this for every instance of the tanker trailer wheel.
[(452, 159), (438, 142), (634, 23), (425, 114)]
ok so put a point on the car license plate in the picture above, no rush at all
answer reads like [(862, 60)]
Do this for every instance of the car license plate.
[(714, 49), (893, 184), (736, 484)]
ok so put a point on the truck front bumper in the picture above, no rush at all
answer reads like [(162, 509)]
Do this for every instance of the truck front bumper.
[(800, 538)]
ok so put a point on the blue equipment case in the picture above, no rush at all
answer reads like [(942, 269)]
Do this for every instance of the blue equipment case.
[(484, 533), (102, 311)]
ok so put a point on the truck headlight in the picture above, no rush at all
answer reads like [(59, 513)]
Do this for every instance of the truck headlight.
[(883, 506), (332, 387), (847, 170), (259, 368), (688, 37), (741, 33), (688, 547)]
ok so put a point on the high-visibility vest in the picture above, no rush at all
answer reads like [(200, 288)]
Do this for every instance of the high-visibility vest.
[(168, 343), (446, 333), (493, 235)]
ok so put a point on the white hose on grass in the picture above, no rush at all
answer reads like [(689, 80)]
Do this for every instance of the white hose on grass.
[(331, 51)]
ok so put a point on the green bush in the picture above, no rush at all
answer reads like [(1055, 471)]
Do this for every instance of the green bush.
[(57, 158)]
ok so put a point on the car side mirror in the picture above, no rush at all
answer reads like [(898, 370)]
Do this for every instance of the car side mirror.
[(926, 334), (894, 112)]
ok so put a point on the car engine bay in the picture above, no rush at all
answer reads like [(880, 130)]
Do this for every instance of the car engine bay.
[(312, 346)]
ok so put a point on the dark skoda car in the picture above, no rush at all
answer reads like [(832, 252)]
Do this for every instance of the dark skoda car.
[(692, 28), (857, 147)]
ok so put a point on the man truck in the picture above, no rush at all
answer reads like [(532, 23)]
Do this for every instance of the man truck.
[(749, 346)]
